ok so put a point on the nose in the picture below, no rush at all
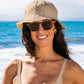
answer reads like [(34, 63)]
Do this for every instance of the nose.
[(40, 30)]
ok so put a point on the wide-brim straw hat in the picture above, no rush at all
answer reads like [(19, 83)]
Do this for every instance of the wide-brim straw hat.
[(39, 10)]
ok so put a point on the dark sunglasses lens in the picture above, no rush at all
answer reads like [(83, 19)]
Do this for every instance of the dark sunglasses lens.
[(33, 26), (47, 25)]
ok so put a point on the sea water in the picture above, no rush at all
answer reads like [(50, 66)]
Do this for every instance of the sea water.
[(11, 46)]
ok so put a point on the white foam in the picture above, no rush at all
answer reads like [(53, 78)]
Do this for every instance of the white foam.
[(77, 54), (8, 54)]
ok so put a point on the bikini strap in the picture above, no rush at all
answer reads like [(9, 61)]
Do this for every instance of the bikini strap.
[(18, 77), (63, 68), (59, 79), (19, 68)]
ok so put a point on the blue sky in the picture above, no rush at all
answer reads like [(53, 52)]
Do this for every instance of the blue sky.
[(67, 9)]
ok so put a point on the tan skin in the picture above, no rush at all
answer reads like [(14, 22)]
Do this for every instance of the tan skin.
[(48, 65)]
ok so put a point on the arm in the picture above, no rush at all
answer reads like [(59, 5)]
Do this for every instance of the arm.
[(10, 72), (79, 75), (76, 72)]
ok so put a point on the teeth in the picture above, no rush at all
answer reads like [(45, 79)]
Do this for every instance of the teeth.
[(42, 37)]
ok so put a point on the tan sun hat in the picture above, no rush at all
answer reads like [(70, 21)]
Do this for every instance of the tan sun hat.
[(38, 10)]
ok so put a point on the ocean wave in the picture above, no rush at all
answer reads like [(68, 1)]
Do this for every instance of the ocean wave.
[(74, 39), (8, 54), (10, 44), (77, 51)]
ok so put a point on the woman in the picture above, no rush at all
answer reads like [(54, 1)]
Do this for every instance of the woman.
[(47, 61)]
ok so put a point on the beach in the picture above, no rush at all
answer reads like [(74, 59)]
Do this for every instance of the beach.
[(11, 46)]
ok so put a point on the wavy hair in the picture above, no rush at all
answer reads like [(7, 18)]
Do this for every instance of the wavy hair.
[(59, 43)]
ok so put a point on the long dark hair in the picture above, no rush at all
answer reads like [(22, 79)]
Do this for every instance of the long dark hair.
[(59, 43)]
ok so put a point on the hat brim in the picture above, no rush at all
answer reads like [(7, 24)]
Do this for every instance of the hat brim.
[(26, 19)]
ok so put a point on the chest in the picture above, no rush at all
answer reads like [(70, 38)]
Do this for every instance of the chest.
[(39, 73)]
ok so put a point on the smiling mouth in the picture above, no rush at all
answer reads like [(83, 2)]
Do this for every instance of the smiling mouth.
[(42, 37)]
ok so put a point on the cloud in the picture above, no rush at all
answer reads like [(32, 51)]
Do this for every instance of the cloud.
[(12, 9), (68, 9)]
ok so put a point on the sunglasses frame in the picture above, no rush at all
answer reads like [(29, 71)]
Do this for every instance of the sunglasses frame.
[(52, 21)]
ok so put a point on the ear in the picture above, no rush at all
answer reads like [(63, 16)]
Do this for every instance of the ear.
[(55, 30)]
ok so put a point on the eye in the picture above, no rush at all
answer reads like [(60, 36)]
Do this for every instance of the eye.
[(46, 24), (33, 26)]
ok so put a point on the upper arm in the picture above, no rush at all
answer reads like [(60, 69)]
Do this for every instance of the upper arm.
[(79, 75), (76, 72), (10, 72)]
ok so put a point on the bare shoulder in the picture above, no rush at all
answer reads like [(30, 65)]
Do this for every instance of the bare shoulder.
[(73, 66), (11, 65), (75, 72), (10, 72)]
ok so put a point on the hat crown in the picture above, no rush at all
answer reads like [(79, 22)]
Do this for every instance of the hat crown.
[(39, 10), (42, 8)]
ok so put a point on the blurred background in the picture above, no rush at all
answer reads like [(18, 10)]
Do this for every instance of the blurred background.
[(70, 13)]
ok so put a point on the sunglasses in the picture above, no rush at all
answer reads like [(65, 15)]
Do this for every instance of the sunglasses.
[(46, 24)]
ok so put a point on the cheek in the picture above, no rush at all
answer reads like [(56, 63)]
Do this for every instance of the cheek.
[(51, 35), (52, 31), (32, 35)]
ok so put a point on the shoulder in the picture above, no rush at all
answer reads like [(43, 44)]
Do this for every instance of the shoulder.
[(8, 76), (75, 72), (73, 66), (12, 65)]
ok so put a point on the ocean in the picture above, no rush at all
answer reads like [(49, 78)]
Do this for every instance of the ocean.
[(11, 46)]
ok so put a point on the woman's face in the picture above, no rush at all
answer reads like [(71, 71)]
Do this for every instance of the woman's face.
[(42, 37)]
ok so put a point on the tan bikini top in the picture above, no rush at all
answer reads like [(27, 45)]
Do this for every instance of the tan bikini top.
[(58, 81)]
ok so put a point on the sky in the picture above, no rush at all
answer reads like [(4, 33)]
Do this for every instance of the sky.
[(68, 10)]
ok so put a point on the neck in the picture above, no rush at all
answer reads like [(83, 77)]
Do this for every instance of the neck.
[(44, 54)]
